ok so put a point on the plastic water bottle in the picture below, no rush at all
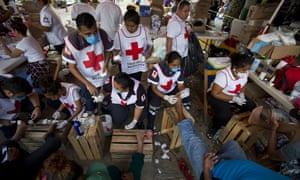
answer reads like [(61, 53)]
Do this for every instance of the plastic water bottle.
[(254, 65), (77, 127)]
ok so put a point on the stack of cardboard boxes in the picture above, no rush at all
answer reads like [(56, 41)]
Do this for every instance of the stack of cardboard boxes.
[(257, 18), (200, 9), (145, 11)]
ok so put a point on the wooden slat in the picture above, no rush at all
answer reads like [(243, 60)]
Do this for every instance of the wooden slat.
[(129, 157), (94, 145), (76, 146), (128, 147), (129, 139), (131, 132)]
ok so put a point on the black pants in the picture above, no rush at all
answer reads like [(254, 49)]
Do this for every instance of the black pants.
[(222, 110), (155, 102), (119, 113), (59, 48)]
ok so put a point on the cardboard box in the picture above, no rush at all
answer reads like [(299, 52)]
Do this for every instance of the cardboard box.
[(200, 10), (275, 52), (146, 21), (261, 11), (157, 2), (157, 10)]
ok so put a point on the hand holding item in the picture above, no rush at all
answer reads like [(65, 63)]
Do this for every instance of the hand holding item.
[(171, 99), (238, 100), (242, 95), (98, 99), (185, 93), (56, 115)]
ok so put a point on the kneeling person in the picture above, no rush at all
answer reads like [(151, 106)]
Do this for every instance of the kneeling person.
[(127, 95)]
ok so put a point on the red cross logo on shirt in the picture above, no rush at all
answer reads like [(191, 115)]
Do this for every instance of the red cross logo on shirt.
[(93, 61), (69, 106), (168, 85), (134, 51), (237, 89), (123, 103), (17, 108), (186, 34)]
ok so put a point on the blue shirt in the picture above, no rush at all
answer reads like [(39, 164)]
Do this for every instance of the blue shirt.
[(244, 170)]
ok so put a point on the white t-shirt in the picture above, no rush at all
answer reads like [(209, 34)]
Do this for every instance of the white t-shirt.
[(231, 86), (110, 17), (31, 49), (177, 30), (48, 18), (82, 8)]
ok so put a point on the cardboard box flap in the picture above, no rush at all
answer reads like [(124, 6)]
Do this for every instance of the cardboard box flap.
[(275, 52)]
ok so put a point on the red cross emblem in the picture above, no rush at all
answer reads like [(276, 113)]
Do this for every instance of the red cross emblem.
[(93, 61), (168, 85), (17, 108), (134, 51), (69, 106), (186, 34), (123, 103), (237, 89)]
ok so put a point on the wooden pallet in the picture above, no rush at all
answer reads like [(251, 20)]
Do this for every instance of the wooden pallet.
[(124, 144), (34, 135), (90, 145), (170, 128)]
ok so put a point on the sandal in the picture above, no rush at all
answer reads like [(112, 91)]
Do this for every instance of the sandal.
[(182, 165), (210, 133)]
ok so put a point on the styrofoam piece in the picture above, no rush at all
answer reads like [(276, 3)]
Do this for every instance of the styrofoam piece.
[(157, 143), (156, 161), (165, 156)]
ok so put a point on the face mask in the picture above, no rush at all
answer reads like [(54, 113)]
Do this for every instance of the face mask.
[(92, 39), (241, 75), (175, 69), (20, 98), (117, 91), (124, 94)]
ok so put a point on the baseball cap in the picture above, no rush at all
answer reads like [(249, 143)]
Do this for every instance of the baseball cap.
[(97, 171)]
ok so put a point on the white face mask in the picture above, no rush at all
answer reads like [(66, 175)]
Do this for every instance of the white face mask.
[(124, 94), (241, 75)]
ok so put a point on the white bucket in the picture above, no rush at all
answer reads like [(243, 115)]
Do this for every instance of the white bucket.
[(107, 124)]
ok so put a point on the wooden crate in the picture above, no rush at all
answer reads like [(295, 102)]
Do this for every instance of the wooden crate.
[(238, 129), (90, 145), (169, 125), (124, 144), (34, 135)]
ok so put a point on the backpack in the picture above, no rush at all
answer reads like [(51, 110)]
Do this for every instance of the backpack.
[(286, 77)]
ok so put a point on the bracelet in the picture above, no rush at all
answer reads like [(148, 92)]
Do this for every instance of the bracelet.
[(37, 107)]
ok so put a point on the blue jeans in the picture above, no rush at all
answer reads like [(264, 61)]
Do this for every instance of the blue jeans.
[(196, 148)]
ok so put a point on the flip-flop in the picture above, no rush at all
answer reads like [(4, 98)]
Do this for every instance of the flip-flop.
[(182, 165)]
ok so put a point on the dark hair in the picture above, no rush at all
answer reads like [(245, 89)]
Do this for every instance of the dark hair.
[(16, 85), (124, 80), (241, 60), (19, 26), (133, 16), (85, 19), (172, 56), (182, 4), (49, 86)]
